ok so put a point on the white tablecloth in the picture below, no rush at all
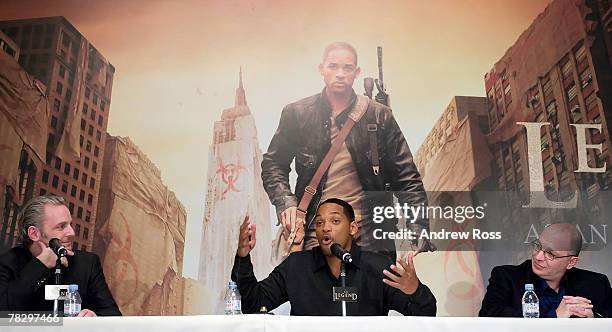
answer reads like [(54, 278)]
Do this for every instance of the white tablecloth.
[(315, 324)]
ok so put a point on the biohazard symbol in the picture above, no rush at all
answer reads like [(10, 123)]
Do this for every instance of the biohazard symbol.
[(229, 175), (123, 277)]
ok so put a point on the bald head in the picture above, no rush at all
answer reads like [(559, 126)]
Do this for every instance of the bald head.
[(562, 237)]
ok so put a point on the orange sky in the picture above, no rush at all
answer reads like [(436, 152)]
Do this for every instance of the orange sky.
[(177, 65)]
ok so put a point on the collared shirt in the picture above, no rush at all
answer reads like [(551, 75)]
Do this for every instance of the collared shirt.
[(549, 299), (327, 109), (305, 280)]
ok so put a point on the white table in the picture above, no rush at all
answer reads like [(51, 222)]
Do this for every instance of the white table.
[(272, 323)]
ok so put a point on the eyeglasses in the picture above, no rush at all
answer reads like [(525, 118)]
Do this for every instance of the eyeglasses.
[(537, 247)]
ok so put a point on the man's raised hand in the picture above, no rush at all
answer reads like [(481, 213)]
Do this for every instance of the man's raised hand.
[(246, 237), (405, 278)]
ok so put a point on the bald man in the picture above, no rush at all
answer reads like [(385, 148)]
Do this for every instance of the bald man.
[(563, 290)]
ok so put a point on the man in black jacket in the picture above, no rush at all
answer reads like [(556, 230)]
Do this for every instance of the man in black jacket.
[(374, 163), (27, 268), (306, 278), (562, 289)]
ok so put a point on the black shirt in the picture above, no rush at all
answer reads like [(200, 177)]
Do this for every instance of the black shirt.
[(305, 280)]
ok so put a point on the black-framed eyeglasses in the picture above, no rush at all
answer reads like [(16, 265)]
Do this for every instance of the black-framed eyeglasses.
[(537, 247)]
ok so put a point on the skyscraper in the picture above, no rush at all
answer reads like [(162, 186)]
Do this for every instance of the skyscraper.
[(454, 161), (556, 74), (23, 131), (558, 71), (234, 190), (79, 85), (140, 232)]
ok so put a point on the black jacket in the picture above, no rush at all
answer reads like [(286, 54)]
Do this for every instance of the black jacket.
[(303, 134), (507, 285), (305, 280), (21, 288)]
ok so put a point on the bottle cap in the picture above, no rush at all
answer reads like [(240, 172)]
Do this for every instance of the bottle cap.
[(232, 284), (528, 287), (73, 288)]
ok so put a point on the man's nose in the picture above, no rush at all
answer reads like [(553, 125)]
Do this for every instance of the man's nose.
[(327, 226), (69, 231), (539, 255)]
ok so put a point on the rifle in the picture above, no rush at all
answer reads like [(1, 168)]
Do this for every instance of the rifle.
[(382, 96)]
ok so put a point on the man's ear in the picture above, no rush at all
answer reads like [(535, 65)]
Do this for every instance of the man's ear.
[(572, 262), (321, 68), (353, 228), (357, 72), (34, 233)]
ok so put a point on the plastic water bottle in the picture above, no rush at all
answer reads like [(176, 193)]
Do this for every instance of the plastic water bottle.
[(531, 304), (233, 301), (72, 303)]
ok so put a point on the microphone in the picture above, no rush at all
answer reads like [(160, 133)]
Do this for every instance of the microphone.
[(339, 252), (57, 247)]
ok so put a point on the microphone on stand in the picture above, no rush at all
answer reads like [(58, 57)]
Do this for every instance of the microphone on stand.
[(345, 258), (58, 248), (341, 253)]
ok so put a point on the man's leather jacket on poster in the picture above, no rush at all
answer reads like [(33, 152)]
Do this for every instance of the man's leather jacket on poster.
[(303, 134)]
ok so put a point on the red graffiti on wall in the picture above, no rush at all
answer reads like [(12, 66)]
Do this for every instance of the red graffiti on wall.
[(125, 273), (229, 175), (459, 248)]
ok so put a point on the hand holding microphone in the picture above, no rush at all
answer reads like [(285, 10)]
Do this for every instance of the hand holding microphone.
[(58, 248), (48, 254)]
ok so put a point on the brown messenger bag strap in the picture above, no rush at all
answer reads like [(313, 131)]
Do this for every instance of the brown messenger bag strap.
[(358, 111)]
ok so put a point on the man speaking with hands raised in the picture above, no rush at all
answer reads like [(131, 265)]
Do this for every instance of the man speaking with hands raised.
[(306, 279)]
